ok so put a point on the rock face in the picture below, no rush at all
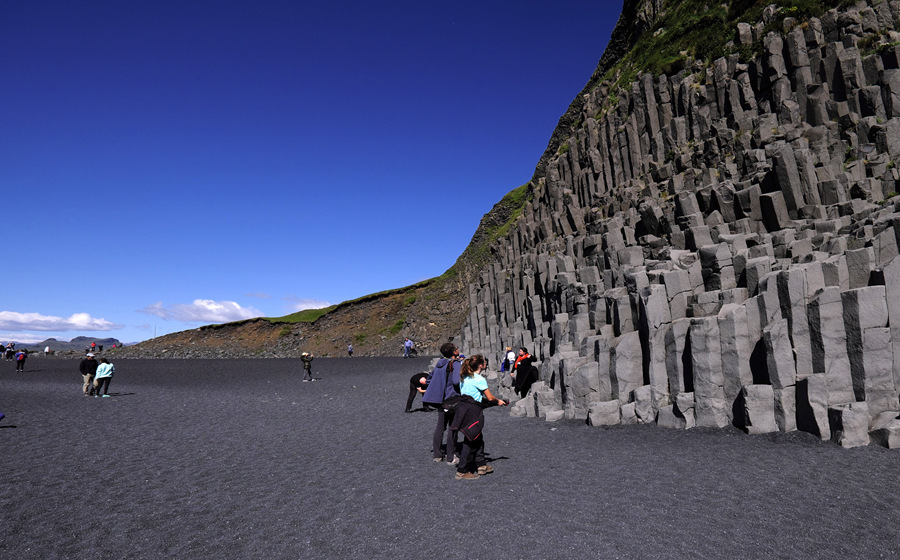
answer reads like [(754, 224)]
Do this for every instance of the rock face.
[(719, 246)]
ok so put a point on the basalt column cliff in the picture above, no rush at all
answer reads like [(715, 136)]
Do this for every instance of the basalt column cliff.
[(718, 245)]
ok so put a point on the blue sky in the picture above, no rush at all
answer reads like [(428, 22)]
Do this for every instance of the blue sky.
[(170, 164)]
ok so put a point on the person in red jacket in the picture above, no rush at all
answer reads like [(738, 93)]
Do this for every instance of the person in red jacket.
[(524, 373)]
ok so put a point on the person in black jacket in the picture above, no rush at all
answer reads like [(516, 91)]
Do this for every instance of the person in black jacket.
[(88, 369), (418, 383), (524, 373)]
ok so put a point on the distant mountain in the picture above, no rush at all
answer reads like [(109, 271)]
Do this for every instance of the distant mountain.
[(77, 344)]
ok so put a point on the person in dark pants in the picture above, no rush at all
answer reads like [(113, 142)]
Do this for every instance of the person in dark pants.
[(443, 383), (307, 359), (472, 462), (21, 356), (104, 375), (418, 383)]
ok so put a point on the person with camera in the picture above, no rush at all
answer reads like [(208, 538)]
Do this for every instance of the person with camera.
[(472, 461)]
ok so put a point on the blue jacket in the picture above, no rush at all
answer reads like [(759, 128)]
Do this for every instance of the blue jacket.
[(441, 383)]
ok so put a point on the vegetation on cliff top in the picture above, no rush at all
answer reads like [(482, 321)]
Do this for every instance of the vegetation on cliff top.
[(698, 30), (495, 224)]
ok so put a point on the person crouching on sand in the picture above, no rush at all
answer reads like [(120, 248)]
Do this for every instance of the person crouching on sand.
[(104, 375)]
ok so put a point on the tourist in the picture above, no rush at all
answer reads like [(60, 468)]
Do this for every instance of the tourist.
[(10, 351), (104, 375), (443, 383), (21, 356), (350, 350), (472, 462), (524, 372), (307, 359), (508, 359), (418, 383), (407, 347), (88, 369)]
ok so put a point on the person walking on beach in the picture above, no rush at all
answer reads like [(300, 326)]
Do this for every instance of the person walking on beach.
[(104, 375), (407, 347), (443, 383), (307, 359), (472, 462), (21, 356), (88, 369)]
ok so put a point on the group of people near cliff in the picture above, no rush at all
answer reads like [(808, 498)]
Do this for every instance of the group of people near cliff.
[(459, 393), (96, 376)]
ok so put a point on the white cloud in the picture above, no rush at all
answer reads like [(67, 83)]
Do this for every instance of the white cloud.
[(296, 304), (203, 311), (12, 321), (22, 338)]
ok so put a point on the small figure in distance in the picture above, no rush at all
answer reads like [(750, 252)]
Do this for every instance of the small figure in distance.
[(46, 351), (104, 375), (88, 369), (350, 350), (21, 356), (407, 346), (10, 351), (508, 359), (418, 383), (307, 359)]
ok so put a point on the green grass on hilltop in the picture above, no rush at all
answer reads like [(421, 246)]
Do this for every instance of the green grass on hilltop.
[(698, 30), (304, 316)]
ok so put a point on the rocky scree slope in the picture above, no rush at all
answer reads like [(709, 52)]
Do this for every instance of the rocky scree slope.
[(718, 245)]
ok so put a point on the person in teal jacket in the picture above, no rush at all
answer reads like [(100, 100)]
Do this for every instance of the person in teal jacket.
[(104, 375)]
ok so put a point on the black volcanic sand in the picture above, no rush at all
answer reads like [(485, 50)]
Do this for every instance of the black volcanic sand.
[(240, 459)]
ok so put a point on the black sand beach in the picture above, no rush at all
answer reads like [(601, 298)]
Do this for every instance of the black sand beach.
[(240, 459)]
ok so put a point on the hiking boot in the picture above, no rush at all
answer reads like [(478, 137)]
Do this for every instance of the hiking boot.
[(454, 462), (438, 459), (466, 476), (485, 469)]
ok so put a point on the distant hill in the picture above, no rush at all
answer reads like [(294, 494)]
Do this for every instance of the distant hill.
[(77, 344)]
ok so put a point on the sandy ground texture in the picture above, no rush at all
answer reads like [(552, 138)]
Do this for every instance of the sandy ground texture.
[(240, 459)]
